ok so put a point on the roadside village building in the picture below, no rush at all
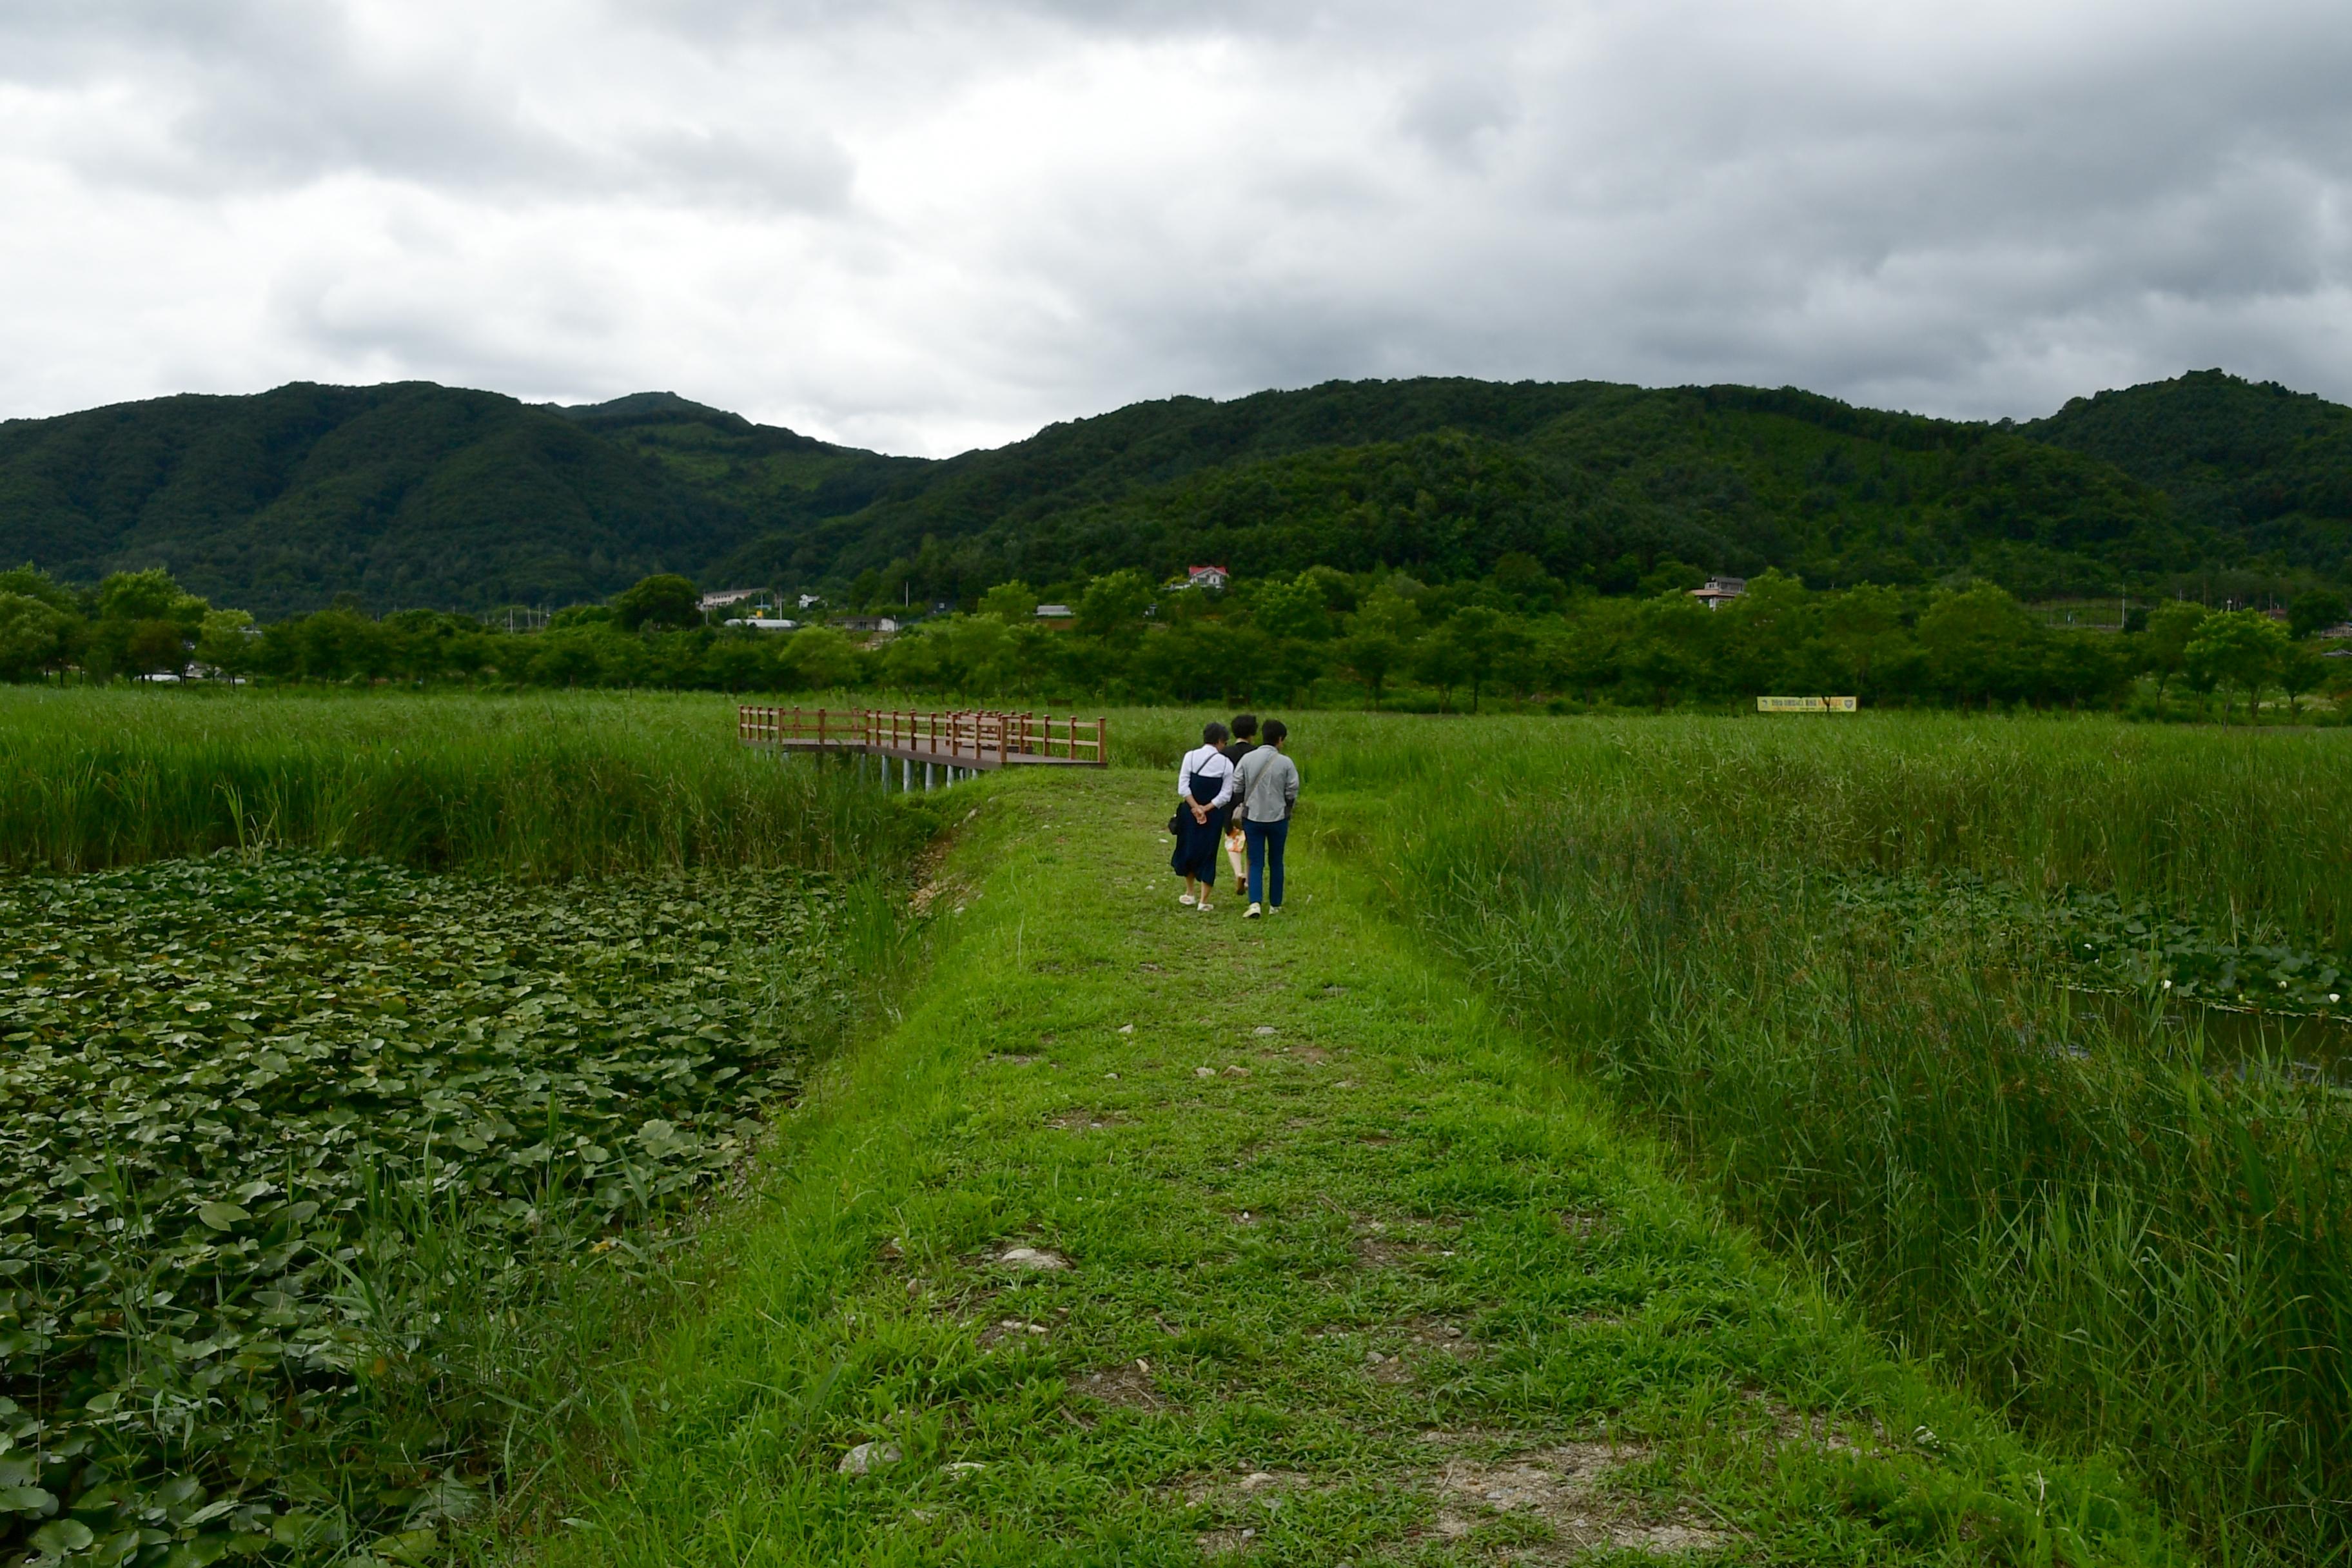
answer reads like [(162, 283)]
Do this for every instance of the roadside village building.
[(1719, 591)]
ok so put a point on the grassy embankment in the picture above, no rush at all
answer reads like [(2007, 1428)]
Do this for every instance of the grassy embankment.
[(317, 1172), (1770, 940), (1352, 1275)]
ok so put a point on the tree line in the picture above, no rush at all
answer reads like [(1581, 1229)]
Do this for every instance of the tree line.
[(1380, 638)]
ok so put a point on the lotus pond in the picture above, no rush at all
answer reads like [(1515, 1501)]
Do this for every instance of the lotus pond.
[(296, 1143)]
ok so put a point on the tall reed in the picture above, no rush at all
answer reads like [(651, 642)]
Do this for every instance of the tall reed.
[(535, 786), (2127, 1243)]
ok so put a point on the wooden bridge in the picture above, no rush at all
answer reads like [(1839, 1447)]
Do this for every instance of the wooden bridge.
[(962, 743)]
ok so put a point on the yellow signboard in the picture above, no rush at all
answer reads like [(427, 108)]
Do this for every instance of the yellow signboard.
[(1806, 705)]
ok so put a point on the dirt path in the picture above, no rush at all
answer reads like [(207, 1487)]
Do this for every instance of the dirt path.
[(1146, 1235)]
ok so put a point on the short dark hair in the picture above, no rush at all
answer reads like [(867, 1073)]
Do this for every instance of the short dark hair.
[(1244, 725), (1213, 732), (1276, 732)]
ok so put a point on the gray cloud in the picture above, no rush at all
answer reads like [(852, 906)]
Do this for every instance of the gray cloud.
[(922, 224)]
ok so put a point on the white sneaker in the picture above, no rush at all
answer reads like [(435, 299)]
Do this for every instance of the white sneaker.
[(1184, 898), (1202, 906), (1251, 913)]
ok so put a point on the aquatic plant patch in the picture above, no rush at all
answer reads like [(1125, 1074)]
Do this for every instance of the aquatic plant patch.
[(282, 1139), (2113, 944)]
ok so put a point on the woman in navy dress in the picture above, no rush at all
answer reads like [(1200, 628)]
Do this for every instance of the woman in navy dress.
[(1205, 791)]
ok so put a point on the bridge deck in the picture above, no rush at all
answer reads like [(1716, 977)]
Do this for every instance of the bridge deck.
[(977, 740)]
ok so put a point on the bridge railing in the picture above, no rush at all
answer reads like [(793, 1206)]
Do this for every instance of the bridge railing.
[(972, 737)]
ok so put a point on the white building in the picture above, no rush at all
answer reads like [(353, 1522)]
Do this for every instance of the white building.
[(1720, 591)]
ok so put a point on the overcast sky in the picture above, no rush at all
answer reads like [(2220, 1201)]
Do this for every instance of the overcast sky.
[(925, 227)]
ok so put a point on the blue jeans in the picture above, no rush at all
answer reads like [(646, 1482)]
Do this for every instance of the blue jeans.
[(1265, 840)]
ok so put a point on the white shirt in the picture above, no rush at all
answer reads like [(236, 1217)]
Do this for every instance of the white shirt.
[(1210, 760)]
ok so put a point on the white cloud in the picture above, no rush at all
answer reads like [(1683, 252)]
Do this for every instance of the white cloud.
[(922, 224)]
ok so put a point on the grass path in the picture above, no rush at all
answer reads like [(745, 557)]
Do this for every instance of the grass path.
[(1347, 1274)]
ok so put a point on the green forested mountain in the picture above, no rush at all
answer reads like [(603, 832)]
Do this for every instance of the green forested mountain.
[(416, 494), (2247, 466), (1599, 483), (407, 494)]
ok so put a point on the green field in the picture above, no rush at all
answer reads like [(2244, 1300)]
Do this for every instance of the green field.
[(1688, 1114)]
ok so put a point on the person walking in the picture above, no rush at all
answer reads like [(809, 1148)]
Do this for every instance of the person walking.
[(1236, 846), (1204, 786), (1267, 786)]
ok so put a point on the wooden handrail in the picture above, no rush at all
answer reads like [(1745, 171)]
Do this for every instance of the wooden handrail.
[(965, 736)]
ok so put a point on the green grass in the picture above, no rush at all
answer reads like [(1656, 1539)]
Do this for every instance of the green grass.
[(2240, 827), (1355, 1275), (2127, 1240), (530, 786)]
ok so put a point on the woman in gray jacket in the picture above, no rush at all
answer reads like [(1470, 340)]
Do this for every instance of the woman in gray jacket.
[(1266, 785)]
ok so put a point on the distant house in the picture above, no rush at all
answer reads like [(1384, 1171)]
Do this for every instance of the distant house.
[(885, 624), (2343, 629), (727, 596), (1056, 616), (766, 623), (811, 601), (1212, 577), (1719, 591)]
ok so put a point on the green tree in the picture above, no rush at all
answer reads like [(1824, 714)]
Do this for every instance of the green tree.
[(223, 640), (1666, 652), (822, 658), (2240, 649), (2301, 668), (1863, 635), (32, 582), (32, 635), (1379, 637), (2314, 611), (1441, 659), (1374, 654), (664, 599), (564, 657), (2164, 647), (1295, 609), (1014, 602), (155, 647), (981, 654), (1981, 644), (1111, 609), (149, 596), (1488, 640)]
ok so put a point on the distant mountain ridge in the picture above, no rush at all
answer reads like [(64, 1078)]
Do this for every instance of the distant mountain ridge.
[(411, 493)]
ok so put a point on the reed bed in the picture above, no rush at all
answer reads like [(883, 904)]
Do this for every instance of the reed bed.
[(530, 786), (2129, 1242)]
